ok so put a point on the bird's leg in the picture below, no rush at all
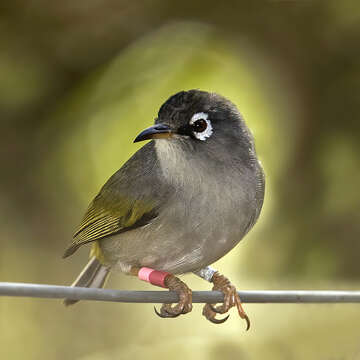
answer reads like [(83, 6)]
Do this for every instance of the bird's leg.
[(185, 298), (231, 297), (171, 282)]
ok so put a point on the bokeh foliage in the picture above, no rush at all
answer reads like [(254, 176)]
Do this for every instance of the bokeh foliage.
[(80, 80)]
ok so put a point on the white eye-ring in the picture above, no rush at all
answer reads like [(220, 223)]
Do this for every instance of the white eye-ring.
[(201, 126)]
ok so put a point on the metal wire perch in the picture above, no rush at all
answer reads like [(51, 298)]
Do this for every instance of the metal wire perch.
[(211, 297)]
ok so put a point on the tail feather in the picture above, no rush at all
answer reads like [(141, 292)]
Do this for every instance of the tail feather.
[(93, 275)]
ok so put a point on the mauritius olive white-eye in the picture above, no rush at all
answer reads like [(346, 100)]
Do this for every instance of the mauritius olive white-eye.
[(180, 203)]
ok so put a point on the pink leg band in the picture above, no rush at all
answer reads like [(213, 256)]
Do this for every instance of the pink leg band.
[(152, 276)]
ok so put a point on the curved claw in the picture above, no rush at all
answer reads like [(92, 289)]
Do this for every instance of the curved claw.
[(167, 315), (242, 313), (214, 309), (246, 318), (218, 321)]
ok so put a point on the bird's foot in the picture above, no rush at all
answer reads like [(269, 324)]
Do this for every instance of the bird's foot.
[(231, 299), (185, 299)]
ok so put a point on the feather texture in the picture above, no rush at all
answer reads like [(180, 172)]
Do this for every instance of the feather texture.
[(93, 275), (121, 205)]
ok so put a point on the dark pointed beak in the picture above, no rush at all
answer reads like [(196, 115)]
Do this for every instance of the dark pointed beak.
[(158, 131)]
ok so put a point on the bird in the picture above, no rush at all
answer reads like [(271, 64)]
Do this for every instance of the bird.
[(180, 203)]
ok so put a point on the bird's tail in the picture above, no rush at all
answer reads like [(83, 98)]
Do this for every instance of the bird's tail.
[(93, 275)]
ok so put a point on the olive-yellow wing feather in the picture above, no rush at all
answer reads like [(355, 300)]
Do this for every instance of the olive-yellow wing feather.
[(128, 200), (101, 221)]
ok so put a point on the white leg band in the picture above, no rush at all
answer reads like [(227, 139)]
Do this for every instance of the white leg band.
[(206, 273)]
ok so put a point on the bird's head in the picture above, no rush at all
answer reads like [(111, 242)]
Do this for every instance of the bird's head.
[(202, 121)]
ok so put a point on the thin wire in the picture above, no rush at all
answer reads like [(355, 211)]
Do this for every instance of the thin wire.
[(212, 297)]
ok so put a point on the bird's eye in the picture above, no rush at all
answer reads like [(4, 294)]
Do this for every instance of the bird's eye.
[(201, 126)]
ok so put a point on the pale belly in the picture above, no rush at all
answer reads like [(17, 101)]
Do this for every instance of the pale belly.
[(180, 240)]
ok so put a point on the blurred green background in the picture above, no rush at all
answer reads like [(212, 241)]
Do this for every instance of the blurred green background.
[(80, 79)]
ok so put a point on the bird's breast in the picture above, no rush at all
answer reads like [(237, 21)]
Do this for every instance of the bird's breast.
[(205, 216)]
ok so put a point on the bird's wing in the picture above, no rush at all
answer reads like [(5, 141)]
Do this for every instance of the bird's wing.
[(103, 220), (130, 199)]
